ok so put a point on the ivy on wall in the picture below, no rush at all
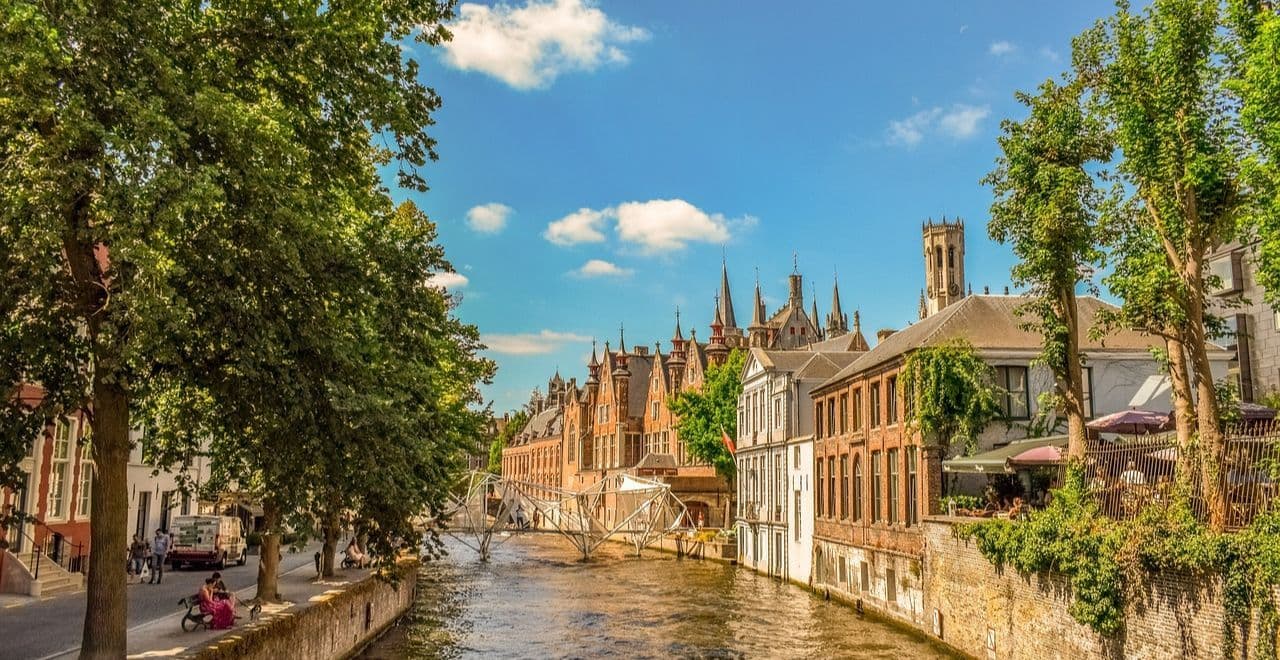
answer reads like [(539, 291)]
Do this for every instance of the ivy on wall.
[(953, 395), (1107, 560)]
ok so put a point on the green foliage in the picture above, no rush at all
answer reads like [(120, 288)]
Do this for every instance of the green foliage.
[(961, 502), (1228, 396), (1068, 537), (1047, 208), (954, 398), (1255, 51), (514, 425), (1105, 560), (703, 414)]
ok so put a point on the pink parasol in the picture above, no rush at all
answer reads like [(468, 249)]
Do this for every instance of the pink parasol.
[(1047, 455), (1133, 422)]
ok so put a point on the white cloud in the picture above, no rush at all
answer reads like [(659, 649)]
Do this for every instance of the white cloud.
[(601, 268), (488, 218), (581, 226), (529, 45), (999, 48), (1050, 54), (964, 28), (664, 225), (960, 121), (448, 280), (538, 343), (657, 225)]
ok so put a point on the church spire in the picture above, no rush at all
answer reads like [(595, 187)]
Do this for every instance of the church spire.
[(757, 330), (678, 336), (924, 308), (725, 306), (837, 322), (813, 312)]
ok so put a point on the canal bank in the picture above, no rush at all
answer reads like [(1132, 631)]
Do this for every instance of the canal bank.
[(535, 598)]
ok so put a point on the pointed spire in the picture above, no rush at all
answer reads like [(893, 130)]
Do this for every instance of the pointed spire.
[(678, 336), (622, 338), (857, 321), (813, 294), (836, 312), (924, 309), (594, 362), (718, 320), (837, 322), (757, 313), (725, 304)]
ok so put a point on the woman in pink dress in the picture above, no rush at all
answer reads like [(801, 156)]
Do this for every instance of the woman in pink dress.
[(222, 611)]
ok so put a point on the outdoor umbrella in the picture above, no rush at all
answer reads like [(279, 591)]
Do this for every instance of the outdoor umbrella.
[(1046, 455), (1133, 422), (1251, 412)]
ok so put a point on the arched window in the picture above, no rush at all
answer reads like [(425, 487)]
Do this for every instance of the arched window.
[(951, 257), (857, 487), (937, 256)]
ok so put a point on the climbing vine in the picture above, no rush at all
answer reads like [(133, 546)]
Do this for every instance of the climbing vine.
[(953, 390), (1106, 561)]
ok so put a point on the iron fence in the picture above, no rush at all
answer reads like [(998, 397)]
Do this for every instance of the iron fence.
[(1134, 472)]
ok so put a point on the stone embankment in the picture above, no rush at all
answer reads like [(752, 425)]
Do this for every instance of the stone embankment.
[(335, 624)]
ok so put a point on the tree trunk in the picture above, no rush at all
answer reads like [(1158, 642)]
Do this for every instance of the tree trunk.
[(269, 555), (1073, 379), (1183, 411), (1207, 414), (330, 529), (106, 616)]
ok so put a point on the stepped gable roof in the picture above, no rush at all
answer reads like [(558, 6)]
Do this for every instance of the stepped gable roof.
[(990, 322), (544, 424)]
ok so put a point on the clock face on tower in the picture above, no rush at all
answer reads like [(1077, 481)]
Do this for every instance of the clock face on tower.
[(955, 289)]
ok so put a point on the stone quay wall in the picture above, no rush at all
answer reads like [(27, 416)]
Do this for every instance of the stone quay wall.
[(337, 626), (989, 613)]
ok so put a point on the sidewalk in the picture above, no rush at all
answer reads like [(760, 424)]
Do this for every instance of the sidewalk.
[(164, 637)]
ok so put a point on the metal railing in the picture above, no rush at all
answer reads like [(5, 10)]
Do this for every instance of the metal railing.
[(1134, 472), (46, 545)]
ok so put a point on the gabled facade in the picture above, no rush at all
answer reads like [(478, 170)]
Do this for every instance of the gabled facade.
[(875, 479), (775, 458)]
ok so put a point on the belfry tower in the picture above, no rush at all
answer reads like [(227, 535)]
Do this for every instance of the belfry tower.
[(943, 263)]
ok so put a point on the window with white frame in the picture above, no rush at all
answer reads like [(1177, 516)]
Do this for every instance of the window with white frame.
[(654, 414), (85, 498), (1014, 403), (59, 468)]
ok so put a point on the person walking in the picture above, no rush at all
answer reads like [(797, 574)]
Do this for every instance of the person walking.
[(137, 555), (159, 548)]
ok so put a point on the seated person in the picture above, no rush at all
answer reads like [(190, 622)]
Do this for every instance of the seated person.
[(222, 612), (1018, 509), (220, 589), (356, 555)]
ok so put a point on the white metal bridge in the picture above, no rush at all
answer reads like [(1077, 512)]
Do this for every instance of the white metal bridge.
[(486, 507)]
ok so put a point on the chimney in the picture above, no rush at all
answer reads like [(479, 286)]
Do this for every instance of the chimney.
[(883, 334), (1006, 290), (640, 349), (986, 290)]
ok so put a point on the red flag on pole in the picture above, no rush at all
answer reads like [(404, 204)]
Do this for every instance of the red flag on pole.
[(728, 442)]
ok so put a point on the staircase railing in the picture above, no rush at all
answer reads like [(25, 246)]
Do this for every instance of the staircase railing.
[(48, 545)]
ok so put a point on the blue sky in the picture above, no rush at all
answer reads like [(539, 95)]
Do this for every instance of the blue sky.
[(598, 159)]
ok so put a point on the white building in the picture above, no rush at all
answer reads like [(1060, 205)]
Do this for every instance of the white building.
[(155, 496), (775, 456)]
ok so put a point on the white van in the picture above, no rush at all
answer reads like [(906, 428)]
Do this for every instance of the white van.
[(209, 540)]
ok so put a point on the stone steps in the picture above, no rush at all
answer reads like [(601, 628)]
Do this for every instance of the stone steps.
[(53, 580)]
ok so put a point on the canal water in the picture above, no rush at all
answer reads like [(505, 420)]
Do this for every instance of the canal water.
[(536, 599)]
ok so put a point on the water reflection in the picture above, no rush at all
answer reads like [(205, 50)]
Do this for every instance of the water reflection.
[(535, 599)]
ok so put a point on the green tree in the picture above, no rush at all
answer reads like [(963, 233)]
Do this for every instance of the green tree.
[(1255, 46), (515, 424), (1158, 80), (1046, 206), (704, 414), (953, 397), (131, 132)]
